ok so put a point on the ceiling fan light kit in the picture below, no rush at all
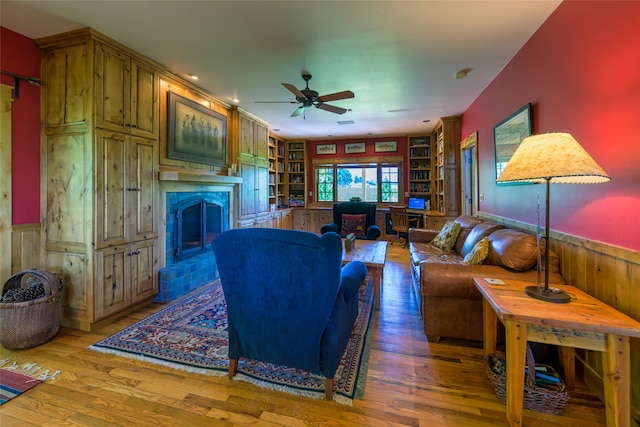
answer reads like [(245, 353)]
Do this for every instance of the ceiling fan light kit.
[(308, 98)]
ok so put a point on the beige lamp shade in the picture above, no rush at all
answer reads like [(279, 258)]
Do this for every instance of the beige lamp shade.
[(557, 157)]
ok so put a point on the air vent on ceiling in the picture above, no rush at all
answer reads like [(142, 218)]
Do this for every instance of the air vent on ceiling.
[(346, 122)]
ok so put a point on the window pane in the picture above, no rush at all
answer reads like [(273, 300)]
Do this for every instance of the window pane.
[(390, 184), (357, 182), (324, 178)]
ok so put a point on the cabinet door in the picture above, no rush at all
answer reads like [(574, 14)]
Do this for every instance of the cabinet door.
[(144, 100), (143, 189), (247, 202), (112, 88), (262, 189), (112, 268), (287, 220), (247, 136), (112, 182), (261, 141), (143, 264)]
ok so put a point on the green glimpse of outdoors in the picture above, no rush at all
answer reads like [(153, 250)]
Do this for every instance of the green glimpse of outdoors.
[(324, 178), (370, 183)]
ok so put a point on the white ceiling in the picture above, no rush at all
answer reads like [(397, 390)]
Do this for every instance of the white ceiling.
[(398, 57)]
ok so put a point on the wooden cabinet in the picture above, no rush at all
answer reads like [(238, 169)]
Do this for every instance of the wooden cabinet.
[(419, 158), (100, 159), (296, 178), (253, 198), (126, 189), (445, 174), (126, 93), (253, 138)]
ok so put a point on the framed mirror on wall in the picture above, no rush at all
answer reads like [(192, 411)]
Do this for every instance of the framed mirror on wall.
[(508, 134)]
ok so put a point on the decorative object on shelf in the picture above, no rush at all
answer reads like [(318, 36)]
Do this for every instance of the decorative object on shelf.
[(551, 158), (355, 147), (326, 149), (508, 134), (385, 146), (232, 170), (195, 133), (349, 242)]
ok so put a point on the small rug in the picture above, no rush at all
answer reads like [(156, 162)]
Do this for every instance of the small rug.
[(15, 380), (192, 335)]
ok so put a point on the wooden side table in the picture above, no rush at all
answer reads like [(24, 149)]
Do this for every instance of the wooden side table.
[(585, 322)]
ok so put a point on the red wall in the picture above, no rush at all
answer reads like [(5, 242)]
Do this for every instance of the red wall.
[(340, 154), (20, 55), (581, 72)]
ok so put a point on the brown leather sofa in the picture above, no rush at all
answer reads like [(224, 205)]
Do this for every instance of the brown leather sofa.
[(450, 304)]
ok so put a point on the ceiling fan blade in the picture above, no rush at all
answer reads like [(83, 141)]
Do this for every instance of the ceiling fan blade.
[(298, 111), (336, 96), (332, 108), (276, 102), (294, 90)]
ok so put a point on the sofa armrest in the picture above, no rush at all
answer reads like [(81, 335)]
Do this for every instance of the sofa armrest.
[(353, 274), (424, 235)]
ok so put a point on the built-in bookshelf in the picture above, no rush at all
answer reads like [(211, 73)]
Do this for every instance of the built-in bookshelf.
[(420, 179), (445, 187), (277, 172), (296, 185)]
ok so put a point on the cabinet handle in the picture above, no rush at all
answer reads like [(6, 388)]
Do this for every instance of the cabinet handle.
[(136, 252), (133, 189), (134, 126)]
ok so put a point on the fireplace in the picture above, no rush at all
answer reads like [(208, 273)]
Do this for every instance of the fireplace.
[(197, 207), (198, 222)]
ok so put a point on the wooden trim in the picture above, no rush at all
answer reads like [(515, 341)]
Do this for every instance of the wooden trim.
[(5, 183), (26, 247), (357, 160)]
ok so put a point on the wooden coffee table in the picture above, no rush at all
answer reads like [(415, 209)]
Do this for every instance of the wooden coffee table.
[(373, 253)]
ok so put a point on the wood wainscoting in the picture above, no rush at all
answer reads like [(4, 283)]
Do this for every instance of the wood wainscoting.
[(26, 247), (607, 272)]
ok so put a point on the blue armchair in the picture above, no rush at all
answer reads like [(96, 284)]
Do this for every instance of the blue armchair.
[(289, 299), (345, 220)]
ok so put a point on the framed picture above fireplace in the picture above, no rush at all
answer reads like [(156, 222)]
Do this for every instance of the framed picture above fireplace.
[(195, 133)]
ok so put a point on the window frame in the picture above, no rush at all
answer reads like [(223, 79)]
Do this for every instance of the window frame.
[(379, 162)]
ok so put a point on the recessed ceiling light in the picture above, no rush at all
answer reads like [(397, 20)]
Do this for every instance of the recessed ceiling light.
[(426, 121), (236, 100), (462, 73), (276, 130), (193, 76)]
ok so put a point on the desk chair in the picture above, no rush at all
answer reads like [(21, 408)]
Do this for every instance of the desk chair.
[(400, 222)]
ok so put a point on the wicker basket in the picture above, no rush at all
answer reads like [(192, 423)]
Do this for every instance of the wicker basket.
[(550, 398), (31, 323)]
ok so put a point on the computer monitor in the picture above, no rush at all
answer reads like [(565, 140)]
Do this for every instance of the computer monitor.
[(416, 203)]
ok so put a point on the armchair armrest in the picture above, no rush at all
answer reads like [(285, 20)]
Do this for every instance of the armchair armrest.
[(330, 227), (353, 274), (373, 232), (423, 235)]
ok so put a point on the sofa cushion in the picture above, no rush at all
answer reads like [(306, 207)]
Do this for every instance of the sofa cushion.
[(479, 252), (467, 223), (478, 233), (353, 224), (512, 249), (447, 236), (420, 251)]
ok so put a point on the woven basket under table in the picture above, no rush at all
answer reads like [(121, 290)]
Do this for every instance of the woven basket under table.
[(31, 323), (549, 398)]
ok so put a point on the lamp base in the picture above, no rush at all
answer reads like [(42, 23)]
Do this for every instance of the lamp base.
[(549, 295)]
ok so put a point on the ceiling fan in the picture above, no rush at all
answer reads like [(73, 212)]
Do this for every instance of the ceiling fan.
[(308, 98)]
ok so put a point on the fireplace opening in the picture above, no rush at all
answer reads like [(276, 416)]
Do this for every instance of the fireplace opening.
[(198, 222)]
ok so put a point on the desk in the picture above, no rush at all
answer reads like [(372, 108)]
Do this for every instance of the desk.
[(374, 254), (424, 214), (585, 322)]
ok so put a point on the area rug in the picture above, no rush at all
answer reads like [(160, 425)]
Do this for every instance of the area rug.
[(192, 335), (15, 379)]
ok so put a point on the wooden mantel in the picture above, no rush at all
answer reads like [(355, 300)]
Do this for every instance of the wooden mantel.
[(201, 177)]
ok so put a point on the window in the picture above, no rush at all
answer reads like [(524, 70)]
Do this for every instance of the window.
[(371, 182)]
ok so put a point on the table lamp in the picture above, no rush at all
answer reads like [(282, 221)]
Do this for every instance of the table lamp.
[(551, 158)]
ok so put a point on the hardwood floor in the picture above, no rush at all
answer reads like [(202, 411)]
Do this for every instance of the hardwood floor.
[(411, 382)]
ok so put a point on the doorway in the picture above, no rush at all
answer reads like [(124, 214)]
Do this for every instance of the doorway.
[(469, 175)]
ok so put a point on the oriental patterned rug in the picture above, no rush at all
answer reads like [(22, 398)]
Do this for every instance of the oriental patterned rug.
[(192, 335)]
